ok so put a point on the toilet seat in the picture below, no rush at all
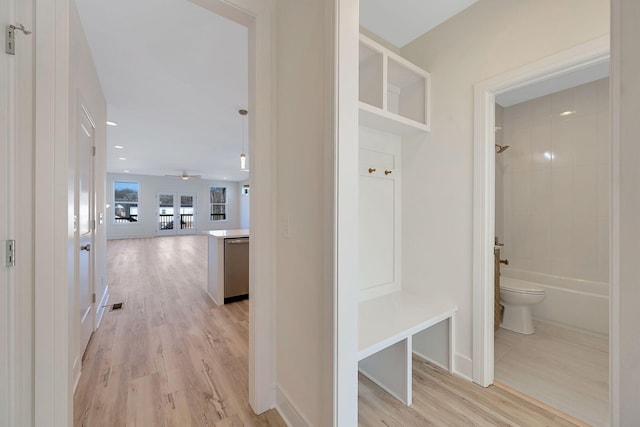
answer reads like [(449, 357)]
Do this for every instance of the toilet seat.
[(521, 287)]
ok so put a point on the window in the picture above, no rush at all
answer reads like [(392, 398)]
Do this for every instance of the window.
[(126, 201), (218, 197)]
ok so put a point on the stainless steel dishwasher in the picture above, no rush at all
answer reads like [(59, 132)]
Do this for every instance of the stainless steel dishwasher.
[(236, 269)]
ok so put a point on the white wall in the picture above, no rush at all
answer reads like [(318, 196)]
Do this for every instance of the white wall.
[(150, 186), (556, 183), (300, 204), (625, 154), (83, 80), (489, 38), (244, 205)]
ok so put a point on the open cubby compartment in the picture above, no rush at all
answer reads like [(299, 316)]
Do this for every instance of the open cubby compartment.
[(394, 94), (371, 75), (407, 90)]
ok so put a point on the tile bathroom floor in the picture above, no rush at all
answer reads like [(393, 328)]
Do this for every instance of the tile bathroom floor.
[(563, 368)]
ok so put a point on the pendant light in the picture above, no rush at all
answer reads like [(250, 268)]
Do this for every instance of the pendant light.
[(243, 157)]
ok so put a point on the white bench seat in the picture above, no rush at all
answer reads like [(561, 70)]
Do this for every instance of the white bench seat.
[(387, 327)]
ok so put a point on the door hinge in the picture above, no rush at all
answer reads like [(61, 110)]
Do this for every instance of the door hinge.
[(10, 40), (93, 298), (10, 37), (10, 251), (93, 151), (93, 224)]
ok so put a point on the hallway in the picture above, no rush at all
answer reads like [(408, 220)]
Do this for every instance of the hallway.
[(170, 357)]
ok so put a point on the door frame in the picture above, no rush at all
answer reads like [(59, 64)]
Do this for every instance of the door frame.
[(53, 334), (582, 56), (18, 84), (344, 63)]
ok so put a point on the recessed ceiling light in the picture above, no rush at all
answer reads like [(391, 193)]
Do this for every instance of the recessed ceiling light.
[(567, 113), (122, 158), (109, 123), (224, 177), (126, 171), (119, 147)]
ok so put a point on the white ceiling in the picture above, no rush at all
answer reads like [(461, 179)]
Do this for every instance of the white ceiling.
[(402, 21), (174, 76)]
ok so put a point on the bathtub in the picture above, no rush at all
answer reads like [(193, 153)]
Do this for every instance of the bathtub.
[(575, 303)]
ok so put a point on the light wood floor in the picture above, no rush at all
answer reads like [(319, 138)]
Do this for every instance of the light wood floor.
[(173, 358), (170, 357), (442, 399), (563, 368)]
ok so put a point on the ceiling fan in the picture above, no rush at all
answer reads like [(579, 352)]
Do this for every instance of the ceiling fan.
[(186, 176)]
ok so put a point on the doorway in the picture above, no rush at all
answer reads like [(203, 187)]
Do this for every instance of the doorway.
[(52, 386), (176, 213), (553, 273), (560, 66)]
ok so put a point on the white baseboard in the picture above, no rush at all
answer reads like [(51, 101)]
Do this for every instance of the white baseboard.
[(463, 366), (432, 361), (102, 306), (291, 416), (76, 371), (212, 298)]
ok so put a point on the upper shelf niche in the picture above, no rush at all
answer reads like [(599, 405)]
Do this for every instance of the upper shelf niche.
[(394, 94)]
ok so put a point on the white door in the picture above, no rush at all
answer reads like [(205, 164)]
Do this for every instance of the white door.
[(176, 213), (85, 221), (16, 219), (187, 213), (165, 223)]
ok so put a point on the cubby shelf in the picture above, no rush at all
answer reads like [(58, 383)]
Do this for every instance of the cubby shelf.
[(377, 118), (394, 94), (393, 323)]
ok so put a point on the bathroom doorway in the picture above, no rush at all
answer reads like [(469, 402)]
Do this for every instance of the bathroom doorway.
[(552, 246), (526, 198)]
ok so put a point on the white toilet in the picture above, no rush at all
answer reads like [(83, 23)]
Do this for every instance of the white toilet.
[(518, 296)]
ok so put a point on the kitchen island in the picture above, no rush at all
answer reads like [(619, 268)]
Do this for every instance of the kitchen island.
[(228, 260)]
